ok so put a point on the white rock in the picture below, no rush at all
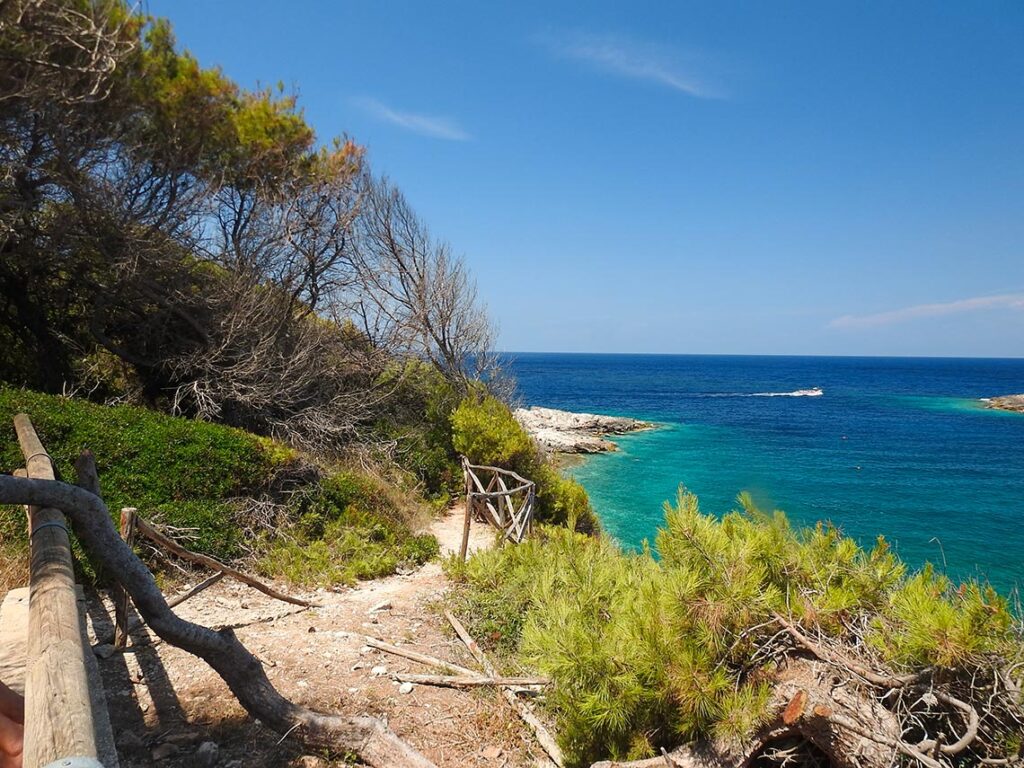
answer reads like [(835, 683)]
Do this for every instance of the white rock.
[(384, 606), (405, 688), (379, 671), (206, 755), (567, 432)]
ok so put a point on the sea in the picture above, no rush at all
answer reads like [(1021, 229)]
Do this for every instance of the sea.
[(898, 447)]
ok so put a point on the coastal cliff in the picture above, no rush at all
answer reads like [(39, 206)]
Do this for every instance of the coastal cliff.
[(568, 432), (1013, 403)]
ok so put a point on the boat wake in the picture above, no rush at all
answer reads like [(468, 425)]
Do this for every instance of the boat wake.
[(812, 392)]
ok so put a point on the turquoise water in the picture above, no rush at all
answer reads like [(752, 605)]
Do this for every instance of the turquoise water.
[(899, 447)]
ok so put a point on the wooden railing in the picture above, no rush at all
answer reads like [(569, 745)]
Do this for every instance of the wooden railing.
[(500, 497), (62, 724)]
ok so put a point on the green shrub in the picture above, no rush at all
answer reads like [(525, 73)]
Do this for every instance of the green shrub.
[(647, 652), (418, 419), (347, 528), (184, 472), (486, 432), (344, 525)]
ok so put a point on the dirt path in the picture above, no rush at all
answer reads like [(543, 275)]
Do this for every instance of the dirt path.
[(169, 708)]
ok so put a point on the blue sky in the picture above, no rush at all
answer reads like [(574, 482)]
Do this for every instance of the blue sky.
[(767, 178)]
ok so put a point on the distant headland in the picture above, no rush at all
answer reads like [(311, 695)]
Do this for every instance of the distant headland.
[(1013, 403), (568, 432)]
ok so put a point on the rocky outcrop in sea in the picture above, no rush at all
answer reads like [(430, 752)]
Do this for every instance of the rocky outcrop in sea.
[(568, 432), (1005, 403)]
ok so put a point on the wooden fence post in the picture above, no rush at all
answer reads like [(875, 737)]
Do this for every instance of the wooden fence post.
[(58, 710), (120, 595), (469, 510)]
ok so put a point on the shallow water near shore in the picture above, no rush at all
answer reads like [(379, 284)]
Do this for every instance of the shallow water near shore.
[(898, 447)]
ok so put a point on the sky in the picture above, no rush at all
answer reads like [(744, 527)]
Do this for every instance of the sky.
[(726, 178)]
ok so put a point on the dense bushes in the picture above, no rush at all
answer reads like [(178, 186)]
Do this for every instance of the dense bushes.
[(485, 431), (205, 477), (350, 526), (646, 653), (418, 422), (183, 472)]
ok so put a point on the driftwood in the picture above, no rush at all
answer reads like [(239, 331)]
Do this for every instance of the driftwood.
[(366, 736), (468, 681), (523, 709)]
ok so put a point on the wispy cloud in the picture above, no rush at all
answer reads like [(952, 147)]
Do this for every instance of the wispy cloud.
[(426, 125), (1013, 301), (634, 59)]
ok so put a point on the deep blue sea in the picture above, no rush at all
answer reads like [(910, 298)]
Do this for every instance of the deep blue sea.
[(894, 446)]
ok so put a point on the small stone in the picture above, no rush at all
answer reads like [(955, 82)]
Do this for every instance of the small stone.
[(302, 684), (181, 738), (311, 629), (164, 751), (379, 671), (130, 741), (206, 755), (405, 688), (104, 651), (491, 753), (365, 650), (353, 690), (384, 606)]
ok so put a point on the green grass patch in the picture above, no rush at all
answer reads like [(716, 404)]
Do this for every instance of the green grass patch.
[(338, 527), (179, 471)]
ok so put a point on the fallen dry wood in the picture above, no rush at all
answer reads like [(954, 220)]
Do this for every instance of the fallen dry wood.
[(174, 602), (365, 736), (171, 545), (422, 658), (521, 707), (811, 703), (432, 661), (467, 681)]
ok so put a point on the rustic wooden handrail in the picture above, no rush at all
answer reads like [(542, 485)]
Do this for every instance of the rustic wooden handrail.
[(59, 721), (495, 502)]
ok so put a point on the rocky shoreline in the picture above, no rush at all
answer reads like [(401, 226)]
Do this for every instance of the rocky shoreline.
[(1013, 403), (568, 432)]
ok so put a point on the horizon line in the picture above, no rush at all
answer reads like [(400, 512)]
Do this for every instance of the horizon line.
[(762, 354)]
